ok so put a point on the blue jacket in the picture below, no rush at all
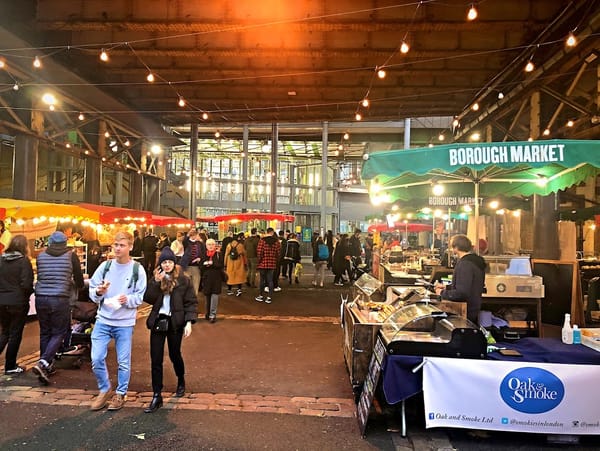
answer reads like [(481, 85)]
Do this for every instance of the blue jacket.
[(57, 269)]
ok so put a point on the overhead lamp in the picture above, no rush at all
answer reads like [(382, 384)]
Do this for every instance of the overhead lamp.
[(365, 102), (205, 115), (475, 136), (494, 204), (500, 95), (529, 67), (37, 62), (16, 86), (381, 73), (530, 139), (103, 56), (51, 107), (340, 147), (455, 123), (2, 63), (106, 134), (155, 149), (181, 102), (475, 106), (217, 134), (150, 77), (441, 137), (358, 116), (404, 47), (49, 99), (472, 13), (430, 145), (346, 136), (546, 132), (127, 143), (570, 123), (438, 189), (81, 117), (571, 40)]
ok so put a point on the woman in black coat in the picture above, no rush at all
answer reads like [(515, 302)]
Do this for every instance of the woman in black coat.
[(211, 267), (341, 260), (175, 308), (16, 285)]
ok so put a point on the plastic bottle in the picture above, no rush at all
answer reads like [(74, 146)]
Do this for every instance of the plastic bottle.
[(567, 331), (576, 335)]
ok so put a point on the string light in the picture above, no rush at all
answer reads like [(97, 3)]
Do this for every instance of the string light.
[(546, 132), (358, 116), (404, 47), (127, 143), (472, 14), (205, 115), (529, 67), (500, 95), (365, 102), (475, 107), (2, 63), (570, 123), (381, 73), (103, 56), (441, 137), (217, 134), (340, 147), (16, 86), (181, 102), (150, 77), (571, 40), (37, 63), (346, 136), (81, 117), (106, 134)]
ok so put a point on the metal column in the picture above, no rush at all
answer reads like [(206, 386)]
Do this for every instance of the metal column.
[(407, 133), (246, 157), (193, 170), (324, 181), (274, 172)]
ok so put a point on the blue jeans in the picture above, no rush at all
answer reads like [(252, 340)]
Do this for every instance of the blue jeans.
[(101, 336)]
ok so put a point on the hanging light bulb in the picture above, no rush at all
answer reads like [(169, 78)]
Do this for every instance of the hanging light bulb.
[(81, 116), (2, 63), (217, 134), (404, 47), (500, 95), (16, 86), (441, 137), (103, 56), (546, 132), (475, 107), (529, 66), (472, 14), (51, 107), (358, 116), (570, 123), (150, 77), (106, 134), (365, 102), (455, 123), (340, 147), (571, 40), (346, 136), (181, 102), (205, 115), (37, 63)]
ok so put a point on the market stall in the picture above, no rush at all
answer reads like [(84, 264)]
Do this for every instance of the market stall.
[(257, 219)]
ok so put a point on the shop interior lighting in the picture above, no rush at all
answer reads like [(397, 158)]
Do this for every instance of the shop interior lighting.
[(472, 13), (438, 189), (155, 149), (494, 204)]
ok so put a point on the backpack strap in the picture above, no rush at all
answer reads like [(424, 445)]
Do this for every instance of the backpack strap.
[(106, 268), (134, 276)]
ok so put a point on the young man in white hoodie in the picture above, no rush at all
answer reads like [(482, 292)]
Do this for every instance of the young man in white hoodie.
[(118, 286)]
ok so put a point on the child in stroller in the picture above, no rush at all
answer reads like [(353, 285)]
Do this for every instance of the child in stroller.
[(78, 341)]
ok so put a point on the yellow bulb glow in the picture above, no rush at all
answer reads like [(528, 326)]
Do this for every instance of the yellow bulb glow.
[(529, 67), (205, 116), (346, 136), (181, 102), (570, 123), (546, 132), (571, 40), (381, 73), (37, 63), (2, 64), (358, 117), (150, 77), (438, 189), (81, 116), (106, 134), (475, 107), (365, 102), (472, 14), (404, 47), (103, 56)]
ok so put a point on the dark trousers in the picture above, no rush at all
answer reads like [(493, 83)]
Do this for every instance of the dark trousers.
[(157, 352), (266, 280), (291, 266), (12, 323), (149, 262), (54, 316)]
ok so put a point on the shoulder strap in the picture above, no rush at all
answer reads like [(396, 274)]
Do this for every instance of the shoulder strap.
[(106, 268), (134, 275)]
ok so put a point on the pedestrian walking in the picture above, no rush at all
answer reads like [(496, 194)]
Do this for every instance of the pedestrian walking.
[(174, 310), (236, 265), (250, 245), (320, 258), (268, 252), (118, 286), (212, 279), (194, 251)]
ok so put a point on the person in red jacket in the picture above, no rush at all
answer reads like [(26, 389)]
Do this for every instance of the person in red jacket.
[(267, 253)]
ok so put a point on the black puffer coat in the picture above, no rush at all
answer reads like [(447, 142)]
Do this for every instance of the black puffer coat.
[(184, 304), (16, 279)]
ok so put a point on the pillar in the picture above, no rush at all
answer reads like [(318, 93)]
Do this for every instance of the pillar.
[(153, 194), (25, 166), (274, 173), (407, 133), (324, 176), (193, 171), (246, 157), (136, 200)]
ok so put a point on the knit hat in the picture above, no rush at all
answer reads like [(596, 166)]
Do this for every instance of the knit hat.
[(57, 238), (167, 254)]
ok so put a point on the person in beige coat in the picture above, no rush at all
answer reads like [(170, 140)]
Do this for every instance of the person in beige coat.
[(236, 265)]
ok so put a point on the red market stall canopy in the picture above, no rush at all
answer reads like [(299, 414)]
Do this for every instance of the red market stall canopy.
[(243, 217), (413, 227), (170, 221), (111, 215)]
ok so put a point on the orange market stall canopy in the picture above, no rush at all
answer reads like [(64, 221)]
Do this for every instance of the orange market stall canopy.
[(36, 219), (244, 217), (411, 227), (112, 215)]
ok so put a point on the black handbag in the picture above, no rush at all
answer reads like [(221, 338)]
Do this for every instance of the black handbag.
[(161, 325)]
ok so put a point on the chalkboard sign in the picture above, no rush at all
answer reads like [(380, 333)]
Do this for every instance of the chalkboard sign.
[(562, 291), (368, 392)]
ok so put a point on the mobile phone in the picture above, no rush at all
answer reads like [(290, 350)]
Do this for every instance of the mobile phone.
[(510, 352)]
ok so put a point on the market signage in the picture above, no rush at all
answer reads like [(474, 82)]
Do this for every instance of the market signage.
[(542, 398), (451, 201), (509, 153)]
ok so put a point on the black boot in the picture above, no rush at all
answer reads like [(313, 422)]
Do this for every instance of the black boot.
[(180, 388), (155, 404)]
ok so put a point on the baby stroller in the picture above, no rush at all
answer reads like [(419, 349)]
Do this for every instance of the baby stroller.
[(77, 344), (357, 268)]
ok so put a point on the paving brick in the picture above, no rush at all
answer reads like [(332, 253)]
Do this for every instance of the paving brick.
[(250, 397), (197, 406), (225, 396), (288, 410), (235, 408), (335, 400), (66, 402), (303, 399), (202, 396), (70, 391), (228, 402), (267, 409), (311, 412), (262, 403), (323, 406), (82, 397), (29, 394)]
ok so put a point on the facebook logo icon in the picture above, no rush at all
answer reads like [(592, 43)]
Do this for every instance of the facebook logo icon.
[(431, 416), (504, 420)]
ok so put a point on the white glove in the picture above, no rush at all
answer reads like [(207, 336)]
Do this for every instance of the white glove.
[(187, 330)]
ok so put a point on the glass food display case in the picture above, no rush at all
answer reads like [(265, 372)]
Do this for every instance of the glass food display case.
[(423, 329)]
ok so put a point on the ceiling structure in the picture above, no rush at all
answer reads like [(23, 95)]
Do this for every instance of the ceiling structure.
[(308, 61)]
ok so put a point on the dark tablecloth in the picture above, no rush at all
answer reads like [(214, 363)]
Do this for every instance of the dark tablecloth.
[(399, 382)]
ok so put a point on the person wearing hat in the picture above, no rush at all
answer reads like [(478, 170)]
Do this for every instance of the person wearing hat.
[(57, 270), (174, 310)]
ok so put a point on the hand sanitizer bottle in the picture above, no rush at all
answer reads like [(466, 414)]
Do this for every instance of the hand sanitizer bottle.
[(576, 335), (567, 332)]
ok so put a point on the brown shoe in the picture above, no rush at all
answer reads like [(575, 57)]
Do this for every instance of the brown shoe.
[(100, 401), (117, 402)]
